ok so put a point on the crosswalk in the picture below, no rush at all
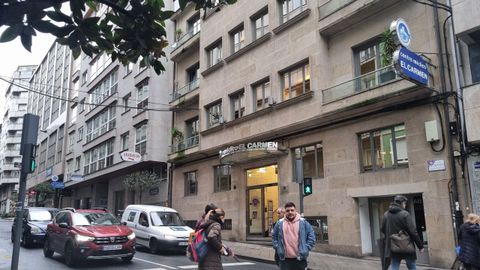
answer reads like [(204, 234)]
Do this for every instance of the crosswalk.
[(192, 266)]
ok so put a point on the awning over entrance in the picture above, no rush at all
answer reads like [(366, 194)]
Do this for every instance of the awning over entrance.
[(246, 152)]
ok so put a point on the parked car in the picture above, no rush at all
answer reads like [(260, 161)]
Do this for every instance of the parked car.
[(35, 221), (88, 234), (157, 227)]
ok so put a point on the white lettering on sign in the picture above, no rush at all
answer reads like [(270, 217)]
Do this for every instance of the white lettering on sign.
[(252, 146), (413, 70)]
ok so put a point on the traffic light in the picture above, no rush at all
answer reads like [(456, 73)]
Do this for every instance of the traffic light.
[(307, 186), (29, 140)]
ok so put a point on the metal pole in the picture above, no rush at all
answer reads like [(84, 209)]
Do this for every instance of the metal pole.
[(299, 176), (19, 222)]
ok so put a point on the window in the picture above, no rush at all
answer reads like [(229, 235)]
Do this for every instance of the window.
[(81, 105), (368, 62), (141, 139), (69, 167), (222, 179), (22, 107), (194, 24), (193, 127), (320, 227), (125, 103), (191, 183), (262, 93), (128, 68), (142, 96), (71, 141), (103, 90), (124, 142), (238, 104), (474, 56), (312, 157), (261, 25), (291, 8), (238, 38), (78, 163), (214, 54), (192, 74), (84, 77), (100, 124), (98, 65), (80, 134), (73, 117), (131, 216), (384, 148), (296, 82), (98, 158), (214, 115), (52, 142), (59, 156)]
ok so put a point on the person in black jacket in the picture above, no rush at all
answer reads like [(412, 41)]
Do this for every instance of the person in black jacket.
[(397, 219), (468, 237)]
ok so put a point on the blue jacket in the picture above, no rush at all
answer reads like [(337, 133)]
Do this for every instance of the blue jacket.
[(305, 244)]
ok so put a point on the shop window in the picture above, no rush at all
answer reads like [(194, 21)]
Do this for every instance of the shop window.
[(191, 183), (222, 181), (296, 81), (312, 157), (320, 227), (383, 148)]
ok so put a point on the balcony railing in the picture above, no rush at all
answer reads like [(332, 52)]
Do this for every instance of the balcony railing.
[(332, 6), (185, 144), (186, 37), (359, 84), (185, 89)]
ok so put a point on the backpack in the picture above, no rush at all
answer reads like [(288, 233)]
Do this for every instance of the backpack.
[(197, 245)]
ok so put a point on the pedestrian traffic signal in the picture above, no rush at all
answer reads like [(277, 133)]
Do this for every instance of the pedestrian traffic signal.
[(307, 186), (28, 143)]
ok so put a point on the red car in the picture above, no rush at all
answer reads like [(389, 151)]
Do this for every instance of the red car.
[(88, 234)]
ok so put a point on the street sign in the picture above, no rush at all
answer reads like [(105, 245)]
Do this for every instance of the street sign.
[(55, 178), (411, 66), (77, 177), (401, 29), (131, 156), (58, 185), (49, 171)]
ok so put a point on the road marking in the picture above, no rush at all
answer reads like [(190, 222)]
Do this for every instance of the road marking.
[(224, 264), (162, 265)]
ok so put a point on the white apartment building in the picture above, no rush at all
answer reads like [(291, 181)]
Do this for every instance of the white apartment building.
[(16, 98)]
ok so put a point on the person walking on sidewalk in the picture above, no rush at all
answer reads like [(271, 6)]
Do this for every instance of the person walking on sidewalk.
[(397, 219), (293, 238), (209, 208), (281, 214), (468, 237), (213, 228)]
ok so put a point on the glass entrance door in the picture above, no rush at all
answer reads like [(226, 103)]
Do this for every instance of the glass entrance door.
[(255, 206)]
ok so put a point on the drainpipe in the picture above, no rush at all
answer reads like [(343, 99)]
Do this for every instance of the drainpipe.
[(455, 205)]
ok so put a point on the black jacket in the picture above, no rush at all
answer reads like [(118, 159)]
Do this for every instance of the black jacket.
[(468, 237), (395, 220)]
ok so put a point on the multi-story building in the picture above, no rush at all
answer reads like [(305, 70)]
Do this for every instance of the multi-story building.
[(115, 109), (293, 87), (467, 62), (49, 100), (16, 97)]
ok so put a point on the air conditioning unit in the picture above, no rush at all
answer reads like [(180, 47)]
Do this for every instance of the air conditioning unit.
[(270, 101)]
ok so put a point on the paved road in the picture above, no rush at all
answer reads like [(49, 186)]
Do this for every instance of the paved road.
[(33, 259)]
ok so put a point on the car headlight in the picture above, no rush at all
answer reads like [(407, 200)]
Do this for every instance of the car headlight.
[(170, 237), (131, 236), (35, 230), (83, 238)]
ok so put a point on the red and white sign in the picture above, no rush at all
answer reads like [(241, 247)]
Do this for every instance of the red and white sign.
[(131, 156)]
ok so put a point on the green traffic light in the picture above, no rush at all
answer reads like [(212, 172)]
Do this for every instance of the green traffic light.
[(308, 190), (32, 166)]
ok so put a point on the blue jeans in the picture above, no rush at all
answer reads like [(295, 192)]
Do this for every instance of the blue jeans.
[(395, 264)]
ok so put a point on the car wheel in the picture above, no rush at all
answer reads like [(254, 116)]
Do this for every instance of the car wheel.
[(127, 259), (153, 245), (47, 252), (69, 256)]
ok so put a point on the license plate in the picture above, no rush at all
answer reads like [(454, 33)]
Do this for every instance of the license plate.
[(112, 247), (183, 243)]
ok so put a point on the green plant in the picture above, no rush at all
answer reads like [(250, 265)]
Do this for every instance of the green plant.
[(178, 33), (388, 47), (177, 135), (141, 181)]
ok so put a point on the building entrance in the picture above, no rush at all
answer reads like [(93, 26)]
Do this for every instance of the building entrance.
[(262, 200)]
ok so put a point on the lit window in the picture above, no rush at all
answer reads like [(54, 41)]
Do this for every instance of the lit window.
[(296, 82)]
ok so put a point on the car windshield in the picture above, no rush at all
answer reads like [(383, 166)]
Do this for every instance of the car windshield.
[(40, 215), (166, 219), (86, 219)]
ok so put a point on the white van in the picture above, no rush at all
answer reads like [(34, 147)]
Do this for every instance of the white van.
[(157, 227)]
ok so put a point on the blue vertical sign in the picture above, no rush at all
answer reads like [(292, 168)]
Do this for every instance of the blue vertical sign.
[(411, 66)]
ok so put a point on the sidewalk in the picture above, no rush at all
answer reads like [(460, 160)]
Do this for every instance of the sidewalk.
[(316, 260)]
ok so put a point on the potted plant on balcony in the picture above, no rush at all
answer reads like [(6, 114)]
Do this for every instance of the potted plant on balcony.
[(388, 47), (178, 33), (178, 137)]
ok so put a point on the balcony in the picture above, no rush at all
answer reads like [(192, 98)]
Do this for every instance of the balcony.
[(13, 139), (16, 114), (190, 40), (185, 144), (12, 152), (183, 91), (9, 167), (372, 91), (338, 15), (6, 179), (14, 127)]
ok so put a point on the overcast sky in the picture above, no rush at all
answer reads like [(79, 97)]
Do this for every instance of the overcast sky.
[(12, 55)]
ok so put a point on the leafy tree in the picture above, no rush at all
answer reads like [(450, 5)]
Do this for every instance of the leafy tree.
[(43, 191), (141, 181), (132, 29)]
